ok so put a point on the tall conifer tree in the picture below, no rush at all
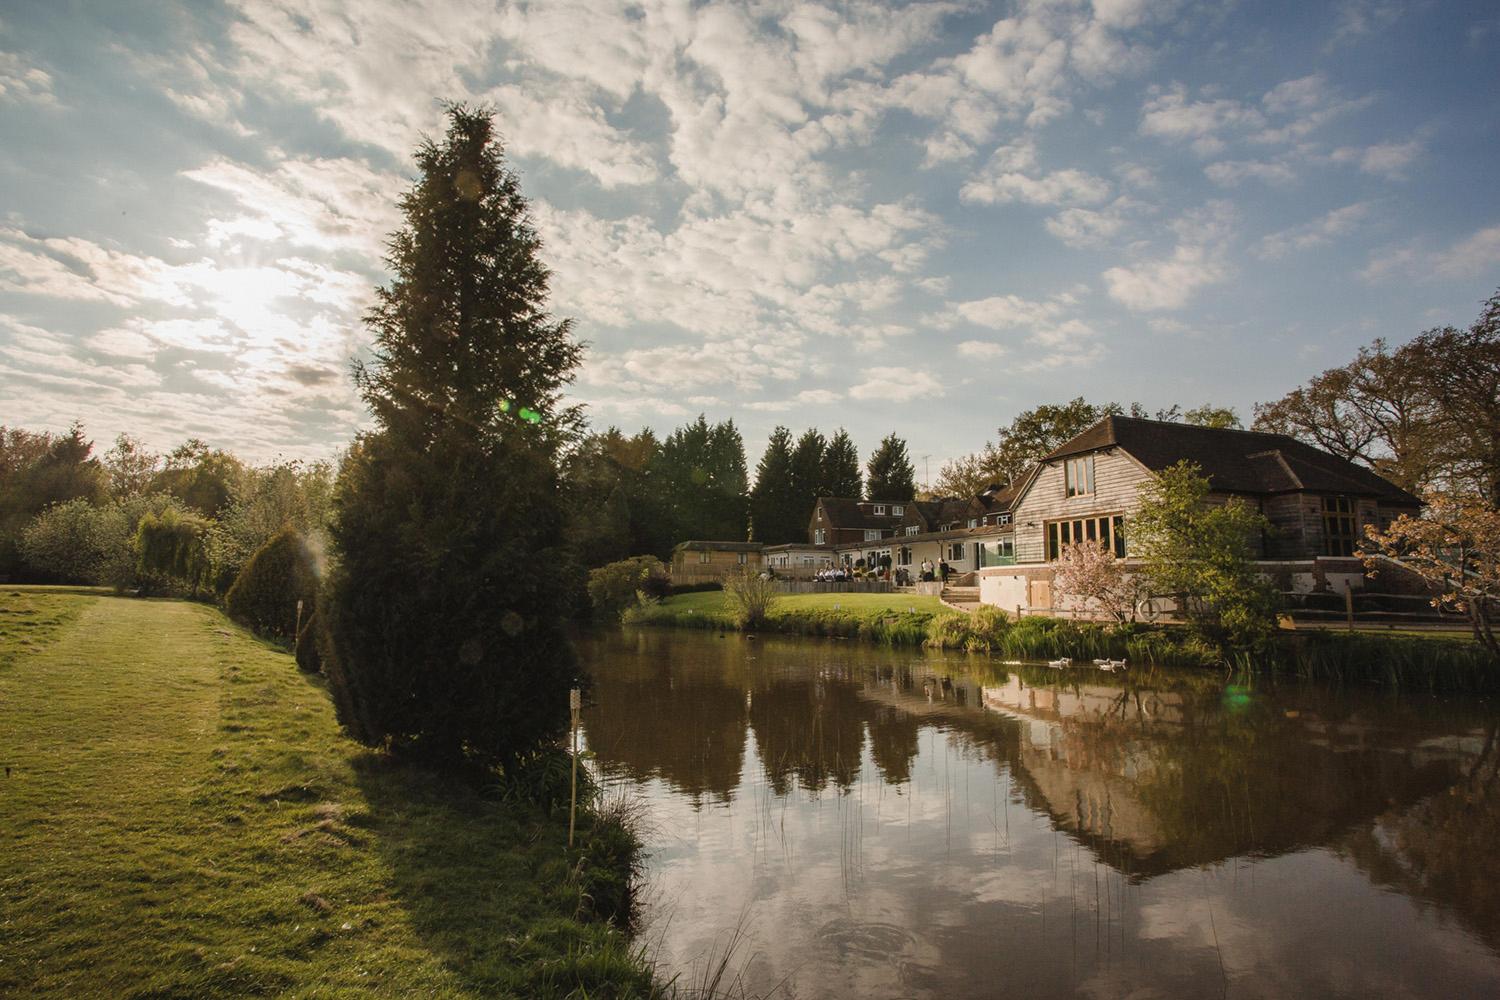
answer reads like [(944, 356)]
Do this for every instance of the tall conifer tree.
[(841, 467), (892, 478), (445, 611), (776, 512)]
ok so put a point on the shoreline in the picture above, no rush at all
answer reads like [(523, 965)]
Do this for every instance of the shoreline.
[(1438, 664)]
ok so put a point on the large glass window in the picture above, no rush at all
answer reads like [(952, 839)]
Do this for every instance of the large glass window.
[(1078, 476), (1001, 553), (1339, 531), (912, 529), (818, 536), (1107, 532)]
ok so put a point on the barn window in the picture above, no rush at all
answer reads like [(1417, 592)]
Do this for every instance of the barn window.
[(1339, 533), (1078, 476)]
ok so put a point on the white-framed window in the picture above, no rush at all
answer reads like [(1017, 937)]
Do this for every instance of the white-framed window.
[(703, 557), (1003, 517), (1078, 476), (880, 508), (897, 510), (912, 529), (818, 535), (973, 522), (743, 557), (956, 552), (904, 559), (872, 534)]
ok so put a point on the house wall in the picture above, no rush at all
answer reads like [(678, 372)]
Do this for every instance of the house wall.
[(688, 566), (1117, 482)]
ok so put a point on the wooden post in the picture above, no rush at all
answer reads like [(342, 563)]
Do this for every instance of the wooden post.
[(1349, 606), (575, 701)]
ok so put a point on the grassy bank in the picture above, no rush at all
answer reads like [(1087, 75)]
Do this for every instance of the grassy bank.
[(1437, 663), (891, 619), (182, 818)]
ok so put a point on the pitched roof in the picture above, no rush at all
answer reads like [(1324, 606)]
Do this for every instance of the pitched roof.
[(1235, 461), (846, 513), (704, 545)]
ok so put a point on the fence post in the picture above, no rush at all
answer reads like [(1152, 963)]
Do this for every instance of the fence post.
[(575, 701)]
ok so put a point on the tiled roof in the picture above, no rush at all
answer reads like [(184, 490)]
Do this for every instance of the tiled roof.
[(1235, 461), (709, 546), (845, 513)]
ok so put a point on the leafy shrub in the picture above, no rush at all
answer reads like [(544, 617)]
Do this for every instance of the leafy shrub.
[(280, 573), (172, 551), (751, 597), (615, 587), (62, 542)]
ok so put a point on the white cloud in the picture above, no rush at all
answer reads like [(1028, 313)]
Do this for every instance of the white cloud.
[(23, 83), (1360, 18), (982, 350), (896, 385), (1389, 159), (1318, 232), (1287, 113), (1199, 259), (805, 398), (323, 203), (1228, 173), (1472, 256), (1087, 227), (1002, 312)]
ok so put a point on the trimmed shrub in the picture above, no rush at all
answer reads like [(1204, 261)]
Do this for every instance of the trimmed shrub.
[(265, 595), (615, 587), (172, 552)]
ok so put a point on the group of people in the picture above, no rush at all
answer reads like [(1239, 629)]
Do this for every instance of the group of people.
[(901, 576)]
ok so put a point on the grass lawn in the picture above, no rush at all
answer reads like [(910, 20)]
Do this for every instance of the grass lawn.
[(182, 818), (896, 619), (714, 602)]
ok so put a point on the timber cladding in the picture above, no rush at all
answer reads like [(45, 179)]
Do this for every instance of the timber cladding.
[(1117, 481)]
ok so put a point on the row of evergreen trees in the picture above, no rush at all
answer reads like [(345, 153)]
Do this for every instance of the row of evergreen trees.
[(640, 494)]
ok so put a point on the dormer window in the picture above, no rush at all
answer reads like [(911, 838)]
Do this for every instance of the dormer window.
[(872, 534), (880, 509), (1003, 518), (912, 529), (1078, 476), (818, 536), (897, 510)]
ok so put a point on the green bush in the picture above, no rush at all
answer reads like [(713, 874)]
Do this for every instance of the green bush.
[(172, 552), (614, 588), (751, 598), (280, 573)]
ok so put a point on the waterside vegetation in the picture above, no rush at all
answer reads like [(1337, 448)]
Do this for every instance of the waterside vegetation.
[(1406, 661)]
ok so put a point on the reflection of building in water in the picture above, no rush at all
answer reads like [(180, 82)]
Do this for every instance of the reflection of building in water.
[(1163, 780)]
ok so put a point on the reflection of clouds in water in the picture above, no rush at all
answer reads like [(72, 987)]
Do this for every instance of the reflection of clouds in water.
[(1045, 866)]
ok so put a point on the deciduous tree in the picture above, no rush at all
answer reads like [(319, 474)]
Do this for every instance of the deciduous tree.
[(1204, 554), (1454, 546)]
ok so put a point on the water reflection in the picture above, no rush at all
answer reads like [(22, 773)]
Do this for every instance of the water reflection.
[(895, 824)]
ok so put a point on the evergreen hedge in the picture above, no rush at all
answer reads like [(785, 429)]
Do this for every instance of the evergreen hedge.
[(264, 596)]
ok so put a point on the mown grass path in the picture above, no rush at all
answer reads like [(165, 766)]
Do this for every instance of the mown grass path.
[(182, 818)]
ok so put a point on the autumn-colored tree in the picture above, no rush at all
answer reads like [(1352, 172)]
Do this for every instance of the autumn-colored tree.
[(1092, 573), (1454, 546)]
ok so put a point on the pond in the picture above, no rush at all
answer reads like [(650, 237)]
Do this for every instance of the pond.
[(849, 820)]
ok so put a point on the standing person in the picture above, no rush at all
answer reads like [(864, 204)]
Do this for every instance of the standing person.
[(943, 570)]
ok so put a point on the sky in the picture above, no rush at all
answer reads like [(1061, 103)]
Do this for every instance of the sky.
[(919, 218)]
